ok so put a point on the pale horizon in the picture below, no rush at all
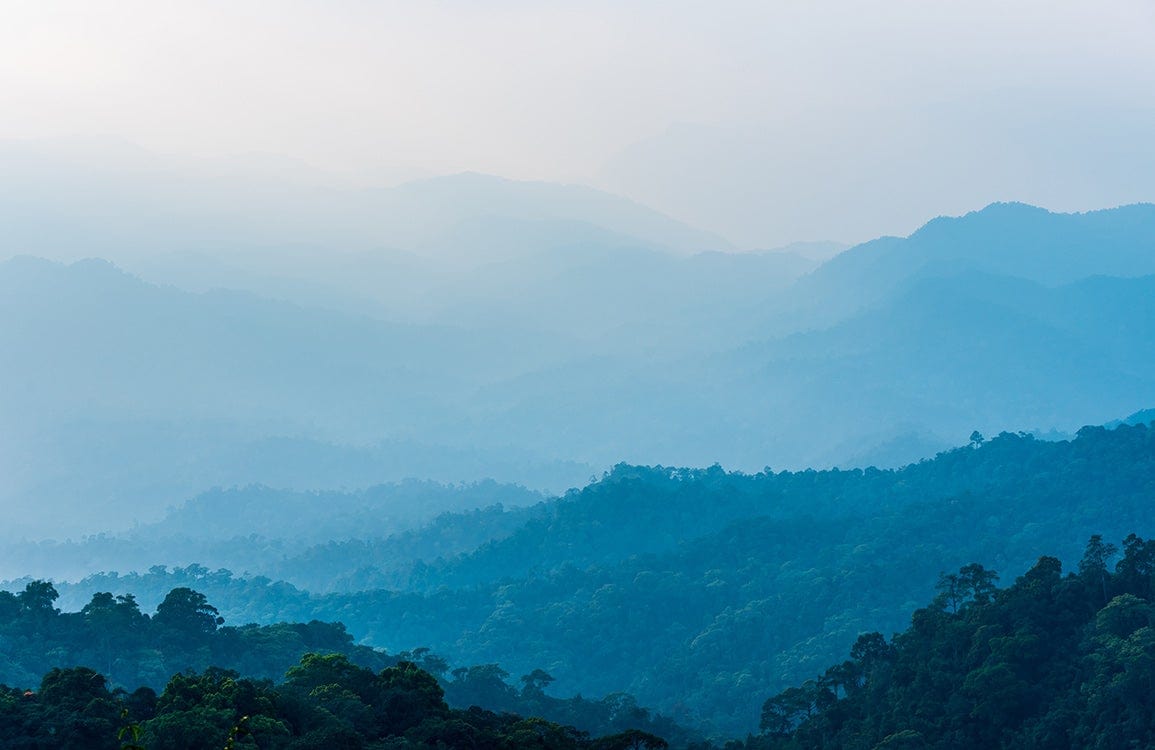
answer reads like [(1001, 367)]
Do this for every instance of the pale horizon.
[(765, 124)]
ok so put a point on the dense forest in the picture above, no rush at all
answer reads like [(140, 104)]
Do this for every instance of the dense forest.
[(282, 533), (325, 702), (699, 591), (1048, 662), (577, 376), (186, 636), (131, 648)]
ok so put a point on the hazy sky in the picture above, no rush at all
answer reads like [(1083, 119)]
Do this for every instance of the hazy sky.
[(767, 122)]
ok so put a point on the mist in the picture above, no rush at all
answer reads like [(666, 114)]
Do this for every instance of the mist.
[(764, 123), (588, 376)]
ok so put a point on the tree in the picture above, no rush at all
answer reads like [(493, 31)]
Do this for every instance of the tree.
[(482, 685), (9, 607), (195, 729), (187, 613), (78, 710), (317, 670), (111, 621), (847, 675), (407, 695), (870, 649), (977, 582), (1137, 567), (972, 584), (1093, 566), (72, 688), (537, 732), (1123, 615), (427, 660), (36, 600), (950, 592), (785, 711), (535, 682)]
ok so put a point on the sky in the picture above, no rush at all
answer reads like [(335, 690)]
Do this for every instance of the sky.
[(766, 122)]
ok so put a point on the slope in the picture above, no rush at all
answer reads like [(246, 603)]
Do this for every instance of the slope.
[(701, 592)]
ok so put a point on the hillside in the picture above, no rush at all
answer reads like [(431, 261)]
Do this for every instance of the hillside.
[(1049, 661), (260, 530), (124, 202), (1004, 239), (161, 685), (700, 590), (946, 354), (580, 347), (144, 395)]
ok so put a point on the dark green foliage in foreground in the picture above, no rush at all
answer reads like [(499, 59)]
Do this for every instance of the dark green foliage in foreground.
[(487, 685), (325, 701), (131, 648), (701, 591), (187, 635), (1049, 662)]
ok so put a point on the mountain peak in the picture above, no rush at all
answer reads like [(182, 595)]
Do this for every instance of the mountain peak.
[(1019, 239), (991, 214), (448, 200)]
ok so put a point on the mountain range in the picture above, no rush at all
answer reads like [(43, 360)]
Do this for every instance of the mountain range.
[(479, 328)]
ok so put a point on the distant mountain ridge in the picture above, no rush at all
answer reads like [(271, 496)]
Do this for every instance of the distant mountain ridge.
[(582, 348), (428, 207), (1003, 239), (699, 590), (123, 202)]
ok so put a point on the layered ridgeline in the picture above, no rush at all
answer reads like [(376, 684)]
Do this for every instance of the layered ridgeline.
[(699, 591), (105, 664), (253, 528), (1051, 661), (468, 328), (325, 702)]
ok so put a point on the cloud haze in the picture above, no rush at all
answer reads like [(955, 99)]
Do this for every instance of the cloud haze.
[(765, 122)]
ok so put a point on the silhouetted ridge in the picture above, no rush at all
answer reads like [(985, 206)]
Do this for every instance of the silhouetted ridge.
[(1048, 661), (703, 591)]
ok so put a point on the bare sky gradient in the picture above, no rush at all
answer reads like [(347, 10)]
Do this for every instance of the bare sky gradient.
[(767, 122)]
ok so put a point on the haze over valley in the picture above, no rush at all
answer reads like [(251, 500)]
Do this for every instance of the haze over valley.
[(538, 334), (601, 376)]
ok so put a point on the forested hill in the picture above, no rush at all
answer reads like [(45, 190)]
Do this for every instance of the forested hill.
[(639, 510), (702, 591), (1049, 662), (316, 370), (110, 644)]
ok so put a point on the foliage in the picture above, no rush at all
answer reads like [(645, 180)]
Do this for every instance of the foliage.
[(322, 669), (326, 701), (1043, 663), (131, 648), (697, 590)]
